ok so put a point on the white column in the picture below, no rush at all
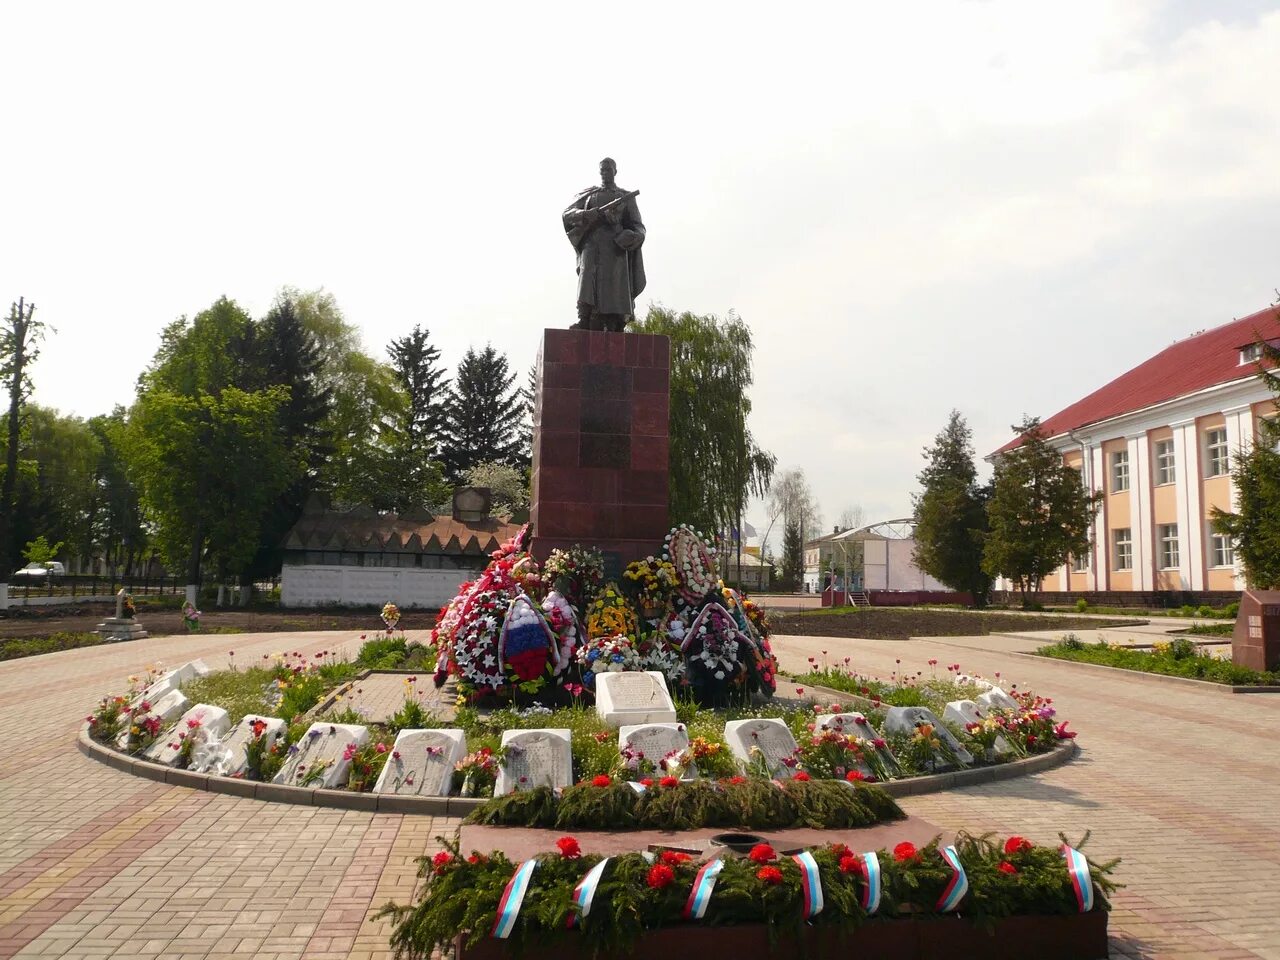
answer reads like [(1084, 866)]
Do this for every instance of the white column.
[(1140, 510), (1239, 442), (1186, 472), (1097, 482)]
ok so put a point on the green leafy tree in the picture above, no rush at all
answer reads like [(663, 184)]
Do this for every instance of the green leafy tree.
[(117, 523), (791, 500), (951, 513), (1039, 512), (62, 500), (1254, 526), (508, 485), (484, 414), (715, 464), (40, 550), (19, 347), (791, 573)]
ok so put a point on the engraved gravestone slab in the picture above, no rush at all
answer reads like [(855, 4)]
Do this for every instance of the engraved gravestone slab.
[(997, 699), (1255, 641), (656, 742), (535, 758), (172, 680), (904, 720), (964, 712), (210, 723), (230, 757), (168, 707), (422, 763), (772, 738), (318, 758), (634, 697), (854, 724)]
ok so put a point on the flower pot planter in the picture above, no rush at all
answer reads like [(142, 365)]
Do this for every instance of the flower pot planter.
[(1062, 937)]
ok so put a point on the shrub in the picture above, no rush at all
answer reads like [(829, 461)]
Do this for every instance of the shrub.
[(1082, 605), (1180, 648), (1231, 611), (1071, 642), (382, 653)]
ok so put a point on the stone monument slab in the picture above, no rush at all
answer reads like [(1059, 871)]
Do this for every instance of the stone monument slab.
[(1255, 642), (656, 742), (211, 725), (964, 712), (229, 756), (422, 763), (904, 720), (317, 759), (634, 697), (854, 724), (997, 699), (535, 758), (771, 737)]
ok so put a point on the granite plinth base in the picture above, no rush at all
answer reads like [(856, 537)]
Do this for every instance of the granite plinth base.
[(600, 444), (120, 628)]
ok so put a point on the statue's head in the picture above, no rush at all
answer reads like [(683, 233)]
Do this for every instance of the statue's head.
[(608, 170)]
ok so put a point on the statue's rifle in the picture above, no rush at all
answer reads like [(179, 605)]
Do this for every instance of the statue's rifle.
[(579, 232)]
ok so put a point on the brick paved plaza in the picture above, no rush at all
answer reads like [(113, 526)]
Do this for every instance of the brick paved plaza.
[(1182, 783)]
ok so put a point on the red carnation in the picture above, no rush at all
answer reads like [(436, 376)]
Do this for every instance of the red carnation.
[(905, 851), (602, 780), (850, 864), (1007, 867), (569, 848), (770, 875), (669, 782), (763, 853), (646, 781), (802, 776), (441, 860), (674, 857), (840, 850), (1016, 844), (660, 875), (735, 781), (854, 776)]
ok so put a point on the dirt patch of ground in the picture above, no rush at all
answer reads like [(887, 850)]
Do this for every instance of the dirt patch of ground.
[(41, 622), (892, 623)]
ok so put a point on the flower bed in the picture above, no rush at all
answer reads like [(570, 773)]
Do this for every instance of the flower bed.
[(1177, 658), (926, 901)]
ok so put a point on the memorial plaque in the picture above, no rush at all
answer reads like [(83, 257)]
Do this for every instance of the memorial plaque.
[(634, 697), (168, 708), (317, 759), (422, 763), (997, 699), (656, 742), (1255, 643), (212, 723), (772, 738), (229, 757), (964, 712), (535, 758), (905, 720), (854, 724), (171, 680)]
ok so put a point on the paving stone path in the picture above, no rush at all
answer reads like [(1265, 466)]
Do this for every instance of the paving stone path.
[(1184, 784)]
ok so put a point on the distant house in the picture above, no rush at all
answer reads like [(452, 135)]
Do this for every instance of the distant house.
[(754, 573), (360, 557), (879, 557)]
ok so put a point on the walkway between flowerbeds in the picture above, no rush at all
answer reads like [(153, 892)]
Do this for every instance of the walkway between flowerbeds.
[(94, 862)]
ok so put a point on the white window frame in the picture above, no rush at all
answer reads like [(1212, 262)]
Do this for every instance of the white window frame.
[(1080, 564), (1166, 462), (1217, 455), (1119, 471), (1169, 553), (1251, 353), (1222, 552), (1123, 559)]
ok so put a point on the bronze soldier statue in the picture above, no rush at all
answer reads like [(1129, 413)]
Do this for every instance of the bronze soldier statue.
[(603, 224)]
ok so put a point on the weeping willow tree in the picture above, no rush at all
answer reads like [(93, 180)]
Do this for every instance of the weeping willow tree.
[(715, 463)]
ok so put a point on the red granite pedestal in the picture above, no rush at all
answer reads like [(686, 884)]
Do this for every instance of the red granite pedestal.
[(1255, 643), (600, 444)]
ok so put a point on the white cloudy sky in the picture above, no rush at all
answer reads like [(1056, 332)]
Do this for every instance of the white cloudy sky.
[(996, 206)]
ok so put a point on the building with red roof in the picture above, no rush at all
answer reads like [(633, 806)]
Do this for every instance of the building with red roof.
[(1158, 441)]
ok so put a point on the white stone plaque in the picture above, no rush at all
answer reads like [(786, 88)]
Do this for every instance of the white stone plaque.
[(773, 739), (964, 712), (168, 708), (997, 699), (965, 680), (229, 757), (854, 724), (172, 680), (656, 742), (535, 758), (211, 724), (905, 720), (317, 759), (422, 763), (634, 697)]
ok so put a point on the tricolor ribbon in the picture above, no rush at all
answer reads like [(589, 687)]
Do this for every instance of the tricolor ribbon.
[(703, 884), (1081, 879), (811, 883), (957, 887), (512, 897), (874, 885), (585, 892)]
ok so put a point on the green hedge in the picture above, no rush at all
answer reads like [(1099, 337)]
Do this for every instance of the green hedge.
[(1180, 660)]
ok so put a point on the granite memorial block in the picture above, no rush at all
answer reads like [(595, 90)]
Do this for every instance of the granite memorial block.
[(1255, 642), (997, 699), (535, 758), (229, 757), (422, 763), (764, 740), (202, 723), (664, 745), (634, 697), (317, 759), (964, 712), (906, 720)]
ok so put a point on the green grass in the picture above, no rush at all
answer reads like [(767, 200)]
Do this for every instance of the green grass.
[(34, 646), (240, 692), (1212, 629), (934, 693), (1179, 659)]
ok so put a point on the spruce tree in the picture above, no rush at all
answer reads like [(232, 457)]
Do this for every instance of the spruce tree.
[(484, 414), (416, 363), (792, 572), (951, 513)]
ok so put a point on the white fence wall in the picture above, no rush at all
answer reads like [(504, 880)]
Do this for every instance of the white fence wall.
[(319, 585)]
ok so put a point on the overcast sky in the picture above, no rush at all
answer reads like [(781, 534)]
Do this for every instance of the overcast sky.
[(994, 206)]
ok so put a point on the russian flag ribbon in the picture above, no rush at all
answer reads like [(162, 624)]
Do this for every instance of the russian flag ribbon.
[(512, 897), (585, 892), (874, 883), (1081, 880), (703, 884), (958, 886), (811, 883)]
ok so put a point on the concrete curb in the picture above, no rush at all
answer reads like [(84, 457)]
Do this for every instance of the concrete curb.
[(276, 792), (1206, 685)]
